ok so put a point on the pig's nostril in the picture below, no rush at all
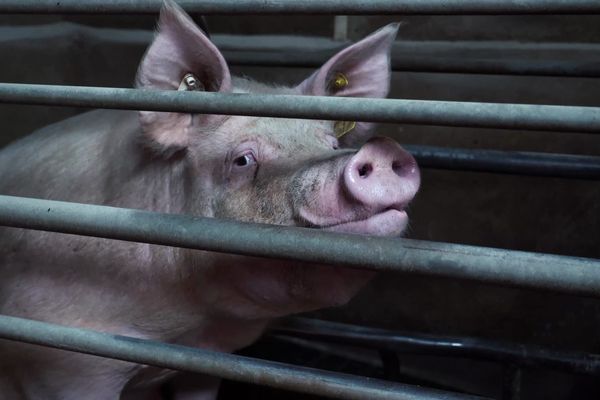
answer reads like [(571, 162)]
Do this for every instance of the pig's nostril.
[(365, 170)]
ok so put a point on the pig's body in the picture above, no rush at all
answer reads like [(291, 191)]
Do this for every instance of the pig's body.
[(124, 288), (287, 172)]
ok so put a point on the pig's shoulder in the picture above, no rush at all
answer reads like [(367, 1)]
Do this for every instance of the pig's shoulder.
[(88, 126), (60, 157)]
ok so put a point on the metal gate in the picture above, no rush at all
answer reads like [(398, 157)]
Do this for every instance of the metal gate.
[(577, 276)]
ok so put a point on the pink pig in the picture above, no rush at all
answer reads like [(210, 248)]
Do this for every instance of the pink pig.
[(268, 170)]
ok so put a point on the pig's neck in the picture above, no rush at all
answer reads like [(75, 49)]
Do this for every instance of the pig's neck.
[(201, 314), (162, 292), (222, 334), (142, 179)]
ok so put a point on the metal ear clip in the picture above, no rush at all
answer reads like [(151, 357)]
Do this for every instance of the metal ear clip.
[(190, 82), (338, 82)]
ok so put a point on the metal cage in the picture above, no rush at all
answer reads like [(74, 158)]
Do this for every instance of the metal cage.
[(538, 271)]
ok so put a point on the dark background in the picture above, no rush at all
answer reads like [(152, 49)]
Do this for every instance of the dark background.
[(551, 215)]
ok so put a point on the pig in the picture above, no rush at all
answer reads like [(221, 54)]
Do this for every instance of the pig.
[(306, 173)]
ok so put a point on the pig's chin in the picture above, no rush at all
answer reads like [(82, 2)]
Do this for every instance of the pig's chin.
[(391, 222)]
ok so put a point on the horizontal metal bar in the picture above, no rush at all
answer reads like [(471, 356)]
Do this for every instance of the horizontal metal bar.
[(499, 66), (507, 162), (464, 347), (400, 62), (491, 115), (471, 57), (514, 268), (385, 362), (274, 374), (346, 7)]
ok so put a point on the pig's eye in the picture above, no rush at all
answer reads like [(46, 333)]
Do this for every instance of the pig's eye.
[(244, 160), (242, 165)]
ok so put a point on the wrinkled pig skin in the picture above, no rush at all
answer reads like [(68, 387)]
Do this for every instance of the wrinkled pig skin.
[(267, 170)]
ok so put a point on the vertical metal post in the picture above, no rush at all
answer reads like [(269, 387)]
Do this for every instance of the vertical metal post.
[(391, 365), (340, 28), (511, 382)]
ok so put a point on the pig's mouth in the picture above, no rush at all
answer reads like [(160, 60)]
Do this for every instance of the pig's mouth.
[(390, 222)]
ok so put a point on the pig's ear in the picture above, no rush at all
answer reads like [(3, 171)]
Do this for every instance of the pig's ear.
[(361, 70), (181, 57)]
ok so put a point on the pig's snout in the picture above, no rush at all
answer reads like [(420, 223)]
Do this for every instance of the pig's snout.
[(382, 175)]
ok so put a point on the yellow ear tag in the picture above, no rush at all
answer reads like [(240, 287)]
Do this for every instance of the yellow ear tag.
[(338, 82), (340, 128)]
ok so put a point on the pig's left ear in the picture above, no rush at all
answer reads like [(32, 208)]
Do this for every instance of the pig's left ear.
[(181, 57), (361, 70)]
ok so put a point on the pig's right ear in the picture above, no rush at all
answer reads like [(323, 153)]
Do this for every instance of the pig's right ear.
[(181, 57), (361, 70)]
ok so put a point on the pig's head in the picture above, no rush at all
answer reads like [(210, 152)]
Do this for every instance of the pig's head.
[(280, 171)]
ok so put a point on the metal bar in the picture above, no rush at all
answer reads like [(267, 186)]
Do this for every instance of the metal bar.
[(474, 57), (512, 268), (347, 7), (505, 66), (507, 162), (409, 374), (165, 355), (481, 57), (490, 115), (464, 65), (340, 28), (465, 347)]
